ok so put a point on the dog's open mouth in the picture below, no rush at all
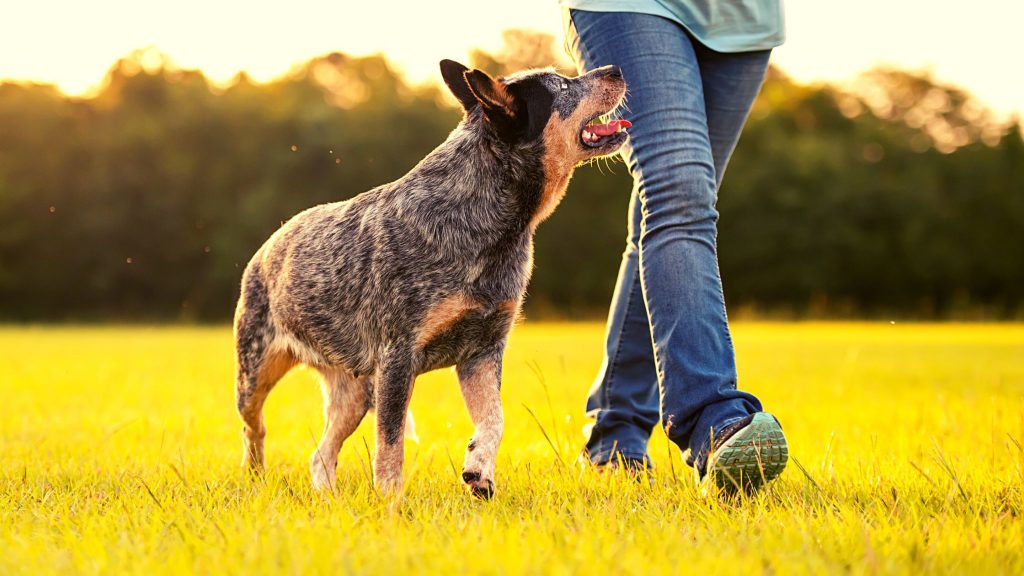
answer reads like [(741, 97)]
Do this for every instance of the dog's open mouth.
[(597, 134)]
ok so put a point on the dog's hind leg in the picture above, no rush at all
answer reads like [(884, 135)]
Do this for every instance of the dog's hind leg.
[(253, 384), (345, 404), (258, 366), (480, 381), (392, 390)]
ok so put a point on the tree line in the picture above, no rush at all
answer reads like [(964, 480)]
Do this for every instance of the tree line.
[(900, 198)]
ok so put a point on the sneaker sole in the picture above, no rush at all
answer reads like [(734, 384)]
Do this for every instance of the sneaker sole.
[(752, 457)]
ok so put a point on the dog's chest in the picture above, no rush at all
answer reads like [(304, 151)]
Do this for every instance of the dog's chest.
[(458, 327)]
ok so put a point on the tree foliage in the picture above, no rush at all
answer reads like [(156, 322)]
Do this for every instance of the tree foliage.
[(146, 200)]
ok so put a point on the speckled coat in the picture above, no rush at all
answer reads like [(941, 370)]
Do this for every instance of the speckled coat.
[(425, 272)]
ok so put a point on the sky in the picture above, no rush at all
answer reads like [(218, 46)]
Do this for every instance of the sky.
[(975, 45)]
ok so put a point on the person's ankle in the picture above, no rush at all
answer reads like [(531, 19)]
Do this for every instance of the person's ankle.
[(619, 462)]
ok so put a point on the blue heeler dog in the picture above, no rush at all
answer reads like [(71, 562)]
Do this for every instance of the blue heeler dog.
[(426, 272)]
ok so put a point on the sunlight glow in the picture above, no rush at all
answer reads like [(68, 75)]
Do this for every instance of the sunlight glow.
[(72, 44)]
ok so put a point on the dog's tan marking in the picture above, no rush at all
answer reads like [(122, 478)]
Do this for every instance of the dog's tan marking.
[(562, 148), (480, 383), (273, 368), (442, 316), (510, 307), (561, 155), (345, 404)]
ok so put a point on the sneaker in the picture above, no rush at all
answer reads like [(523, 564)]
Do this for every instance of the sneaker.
[(747, 454)]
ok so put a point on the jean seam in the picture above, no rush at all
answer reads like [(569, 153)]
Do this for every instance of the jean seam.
[(658, 371), (641, 192), (725, 311), (642, 273)]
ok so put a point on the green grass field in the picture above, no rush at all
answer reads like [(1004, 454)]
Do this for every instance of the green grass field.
[(120, 451)]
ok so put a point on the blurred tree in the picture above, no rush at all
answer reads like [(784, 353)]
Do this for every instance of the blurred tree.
[(899, 197), (522, 50)]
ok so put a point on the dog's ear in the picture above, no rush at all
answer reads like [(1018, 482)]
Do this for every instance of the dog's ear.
[(498, 104), (476, 88), (454, 76)]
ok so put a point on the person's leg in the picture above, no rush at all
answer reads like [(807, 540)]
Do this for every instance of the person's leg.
[(624, 398), (731, 83), (670, 259)]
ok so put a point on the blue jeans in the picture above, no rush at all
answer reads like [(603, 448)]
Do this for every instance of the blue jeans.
[(668, 339)]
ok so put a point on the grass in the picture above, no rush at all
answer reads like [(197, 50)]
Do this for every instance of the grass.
[(119, 453)]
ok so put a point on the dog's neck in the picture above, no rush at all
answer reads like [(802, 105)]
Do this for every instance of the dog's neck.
[(475, 191)]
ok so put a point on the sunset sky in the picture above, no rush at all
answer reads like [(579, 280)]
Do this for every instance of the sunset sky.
[(975, 45)]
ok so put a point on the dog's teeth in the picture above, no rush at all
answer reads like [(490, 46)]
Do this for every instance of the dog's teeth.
[(587, 135)]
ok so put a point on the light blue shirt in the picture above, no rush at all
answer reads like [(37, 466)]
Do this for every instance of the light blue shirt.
[(722, 25)]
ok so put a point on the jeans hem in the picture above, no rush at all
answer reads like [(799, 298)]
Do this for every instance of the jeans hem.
[(604, 456)]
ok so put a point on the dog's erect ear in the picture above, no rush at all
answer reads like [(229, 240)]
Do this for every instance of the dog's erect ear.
[(497, 102), (476, 88), (454, 76)]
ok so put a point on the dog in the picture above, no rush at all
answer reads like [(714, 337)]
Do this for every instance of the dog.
[(426, 272)]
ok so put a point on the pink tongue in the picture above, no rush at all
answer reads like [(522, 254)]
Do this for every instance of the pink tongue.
[(609, 128)]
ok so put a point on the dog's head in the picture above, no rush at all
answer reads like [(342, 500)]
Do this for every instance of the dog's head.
[(544, 107)]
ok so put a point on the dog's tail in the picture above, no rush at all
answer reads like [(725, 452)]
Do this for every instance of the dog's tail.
[(410, 427)]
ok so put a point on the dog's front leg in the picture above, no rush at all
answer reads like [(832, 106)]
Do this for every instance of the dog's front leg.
[(480, 381), (393, 389)]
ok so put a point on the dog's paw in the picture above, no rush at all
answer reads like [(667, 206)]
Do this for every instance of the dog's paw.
[(322, 475), (482, 488), (252, 453), (323, 483)]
